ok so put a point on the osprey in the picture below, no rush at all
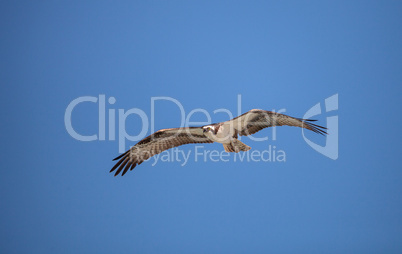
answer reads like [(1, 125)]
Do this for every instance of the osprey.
[(225, 133)]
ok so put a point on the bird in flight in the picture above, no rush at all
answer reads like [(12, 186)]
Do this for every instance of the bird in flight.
[(225, 133)]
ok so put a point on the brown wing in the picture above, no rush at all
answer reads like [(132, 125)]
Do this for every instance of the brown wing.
[(257, 119), (156, 143)]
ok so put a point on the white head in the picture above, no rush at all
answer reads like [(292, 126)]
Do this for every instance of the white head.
[(208, 128)]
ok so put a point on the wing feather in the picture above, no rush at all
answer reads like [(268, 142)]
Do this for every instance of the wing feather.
[(156, 143), (257, 119)]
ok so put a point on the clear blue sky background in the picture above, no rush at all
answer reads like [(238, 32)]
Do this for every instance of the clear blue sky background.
[(57, 195)]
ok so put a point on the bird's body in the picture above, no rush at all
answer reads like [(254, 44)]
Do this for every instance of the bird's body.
[(225, 133), (221, 133)]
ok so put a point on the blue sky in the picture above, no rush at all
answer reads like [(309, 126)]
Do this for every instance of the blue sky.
[(57, 194)]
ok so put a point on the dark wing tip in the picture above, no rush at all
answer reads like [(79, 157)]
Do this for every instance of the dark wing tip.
[(117, 164), (121, 155), (133, 166), (314, 127), (129, 164), (126, 159), (318, 129), (124, 164)]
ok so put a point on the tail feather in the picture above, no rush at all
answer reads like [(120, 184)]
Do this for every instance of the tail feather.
[(236, 146)]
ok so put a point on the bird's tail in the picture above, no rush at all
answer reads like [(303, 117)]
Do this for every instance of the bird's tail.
[(236, 146)]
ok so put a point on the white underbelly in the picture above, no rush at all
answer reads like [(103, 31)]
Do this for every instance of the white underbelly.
[(224, 135)]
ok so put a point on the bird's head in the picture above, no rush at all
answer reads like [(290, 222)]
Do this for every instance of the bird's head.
[(208, 128)]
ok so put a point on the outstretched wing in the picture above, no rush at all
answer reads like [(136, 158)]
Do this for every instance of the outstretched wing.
[(258, 119), (156, 143)]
